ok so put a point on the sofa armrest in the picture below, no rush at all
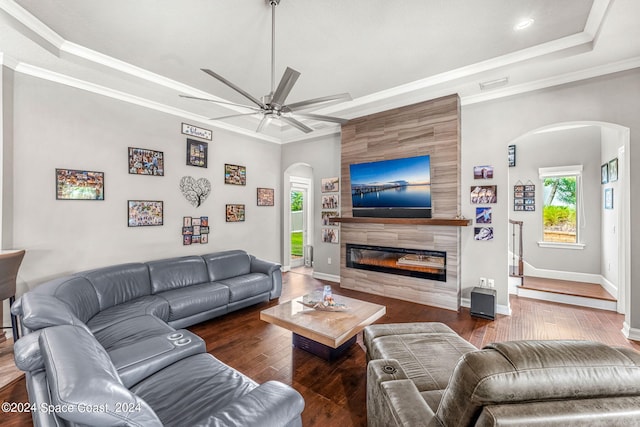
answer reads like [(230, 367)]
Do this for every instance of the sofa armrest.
[(402, 405), (272, 404), (272, 270)]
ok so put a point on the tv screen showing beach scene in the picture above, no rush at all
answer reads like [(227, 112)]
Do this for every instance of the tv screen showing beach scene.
[(397, 188)]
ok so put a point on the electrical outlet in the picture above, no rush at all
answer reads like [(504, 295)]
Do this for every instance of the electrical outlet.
[(483, 282), (491, 283), (328, 260)]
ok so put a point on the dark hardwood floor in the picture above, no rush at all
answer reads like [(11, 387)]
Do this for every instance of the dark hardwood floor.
[(334, 393)]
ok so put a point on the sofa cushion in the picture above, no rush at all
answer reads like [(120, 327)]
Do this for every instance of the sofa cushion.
[(77, 292), (203, 382), (130, 330), (247, 286), (176, 273), (84, 382), (222, 265), (118, 284), (151, 304), (185, 302)]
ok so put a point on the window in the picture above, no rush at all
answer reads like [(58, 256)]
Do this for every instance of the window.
[(561, 209)]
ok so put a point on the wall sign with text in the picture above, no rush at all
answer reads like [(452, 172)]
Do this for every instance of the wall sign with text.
[(192, 130)]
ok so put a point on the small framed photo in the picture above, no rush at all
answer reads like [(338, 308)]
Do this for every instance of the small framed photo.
[(330, 185), (330, 201), (511, 155), (266, 197), (483, 233), (204, 221), (73, 184), (330, 235), (234, 213), (146, 162), (197, 152), (186, 221), (327, 217), (604, 173), (482, 172), (613, 170), (482, 194), (186, 239), (608, 198), (483, 215), (144, 213), (235, 174)]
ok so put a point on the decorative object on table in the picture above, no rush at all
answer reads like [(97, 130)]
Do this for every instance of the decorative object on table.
[(235, 174), (327, 303), (511, 155), (197, 152), (613, 170), (330, 201), (330, 235), (330, 185), (146, 162), (604, 173), (144, 213), (234, 213), (73, 184), (483, 233), (483, 215), (327, 217), (483, 194), (266, 197), (195, 191), (192, 130), (482, 172), (608, 198), (195, 230)]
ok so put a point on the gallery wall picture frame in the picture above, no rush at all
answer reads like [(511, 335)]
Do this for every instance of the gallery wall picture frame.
[(330, 185), (235, 174), (330, 201), (482, 172), (197, 153), (613, 170), (143, 161), (483, 215), (196, 131), (77, 184), (327, 217), (484, 194), (483, 233), (524, 197), (511, 155), (604, 173), (266, 197), (235, 213), (145, 213), (608, 198), (195, 230), (330, 235)]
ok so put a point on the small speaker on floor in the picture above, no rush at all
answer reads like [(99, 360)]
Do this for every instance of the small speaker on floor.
[(483, 303)]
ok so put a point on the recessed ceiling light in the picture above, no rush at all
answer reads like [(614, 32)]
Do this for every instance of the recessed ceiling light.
[(525, 23)]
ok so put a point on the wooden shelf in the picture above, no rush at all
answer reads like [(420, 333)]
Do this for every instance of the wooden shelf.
[(451, 222)]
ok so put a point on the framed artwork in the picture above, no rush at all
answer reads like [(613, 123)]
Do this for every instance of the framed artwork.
[(234, 213), (234, 174), (195, 230), (330, 235), (265, 197), (330, 185), (483, 215), (197, 152), (327, 217), (608, 198), (613, 170), (146, 162), (482, 194), (482, 172), (192, 130), (524, 197), (330, 201), (511, 155), (604, 173), (72, 184), (144, 213), (483, 233)]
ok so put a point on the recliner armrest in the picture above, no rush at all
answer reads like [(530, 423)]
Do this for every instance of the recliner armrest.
[(404, 406), (262, 266), (272, 404)]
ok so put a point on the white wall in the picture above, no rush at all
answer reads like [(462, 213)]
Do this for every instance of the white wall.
[(610, 217), (60, 127)]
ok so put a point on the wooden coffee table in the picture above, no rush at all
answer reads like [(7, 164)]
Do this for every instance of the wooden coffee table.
[(324, 333)]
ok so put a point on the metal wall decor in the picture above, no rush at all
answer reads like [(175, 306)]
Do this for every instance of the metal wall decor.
[(195, 190)]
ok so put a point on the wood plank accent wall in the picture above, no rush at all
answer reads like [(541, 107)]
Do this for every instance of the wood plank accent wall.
[(431, 127)]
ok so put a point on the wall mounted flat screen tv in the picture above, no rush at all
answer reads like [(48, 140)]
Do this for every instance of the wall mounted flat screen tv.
[(396, 188)]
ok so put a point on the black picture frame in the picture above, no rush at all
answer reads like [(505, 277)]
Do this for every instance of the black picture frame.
[(604, 173), (235, 174), (511, 155), (197, 153), (78, 184), (145, 213), (143, 161), (265, 196), (613, 170), (235, 213)]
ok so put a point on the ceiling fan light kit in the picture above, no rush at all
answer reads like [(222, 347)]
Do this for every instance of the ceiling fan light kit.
[(272, 105)]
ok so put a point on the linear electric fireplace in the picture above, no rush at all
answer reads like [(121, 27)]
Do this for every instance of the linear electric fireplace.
[(406, 262)]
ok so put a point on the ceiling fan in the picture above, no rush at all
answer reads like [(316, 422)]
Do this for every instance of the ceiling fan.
[(272, 105)]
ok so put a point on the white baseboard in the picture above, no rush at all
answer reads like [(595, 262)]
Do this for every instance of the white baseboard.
[(327, 277), (285, 268), (630, 333), (500, 309)]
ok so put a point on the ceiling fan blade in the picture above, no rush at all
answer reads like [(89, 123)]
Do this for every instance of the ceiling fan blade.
[(266, 119), (284, 87), (232, 115), (312, 102), (297, 124), (322, 118), (234, 87), (220, 102)]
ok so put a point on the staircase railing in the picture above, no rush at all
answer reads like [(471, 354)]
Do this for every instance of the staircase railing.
[(516, 268)]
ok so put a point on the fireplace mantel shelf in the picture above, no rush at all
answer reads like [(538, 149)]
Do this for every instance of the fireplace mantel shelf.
[(451, 222)]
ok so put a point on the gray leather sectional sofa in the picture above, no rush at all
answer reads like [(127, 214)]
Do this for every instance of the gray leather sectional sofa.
[(424, 374), (103, 347)]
